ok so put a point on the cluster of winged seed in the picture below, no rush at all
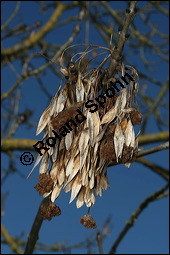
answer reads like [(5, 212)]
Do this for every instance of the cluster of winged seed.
[(78, 162)]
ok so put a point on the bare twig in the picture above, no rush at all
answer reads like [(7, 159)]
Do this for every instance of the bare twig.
[(157, 195), (122, 38), (21, 79), (154, 167), (154, 106), (154, 149), (14, 13), (9, 239), (99, 242), (76, 30), (17, 49)]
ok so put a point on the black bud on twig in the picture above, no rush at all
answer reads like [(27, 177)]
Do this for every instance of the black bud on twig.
[(127, 35), (120, 28), (127, 10)]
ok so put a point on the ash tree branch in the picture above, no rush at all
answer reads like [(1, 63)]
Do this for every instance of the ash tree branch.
[(9, 239), (20, 48), (154, 149), (154, 138), (99, 242), (157, 195), (13, 15), (33, 235), (24, 76), (27, 144), (116, 55), (155, 168)]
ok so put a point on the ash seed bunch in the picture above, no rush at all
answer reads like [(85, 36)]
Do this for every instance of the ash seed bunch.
[(79, 160)]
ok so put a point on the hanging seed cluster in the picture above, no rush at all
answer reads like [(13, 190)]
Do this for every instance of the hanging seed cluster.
[(80, 159)]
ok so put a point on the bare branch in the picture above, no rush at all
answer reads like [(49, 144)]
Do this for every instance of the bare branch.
[(154, 167), (9, 239), (99, 242), (122, 38), (12, 16), (26, 144), (33, 235), (157, 195), (154, 149), (154, 138), (17, 49)]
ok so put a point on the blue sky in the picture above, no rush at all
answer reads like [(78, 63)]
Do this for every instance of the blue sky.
[(128, 187)]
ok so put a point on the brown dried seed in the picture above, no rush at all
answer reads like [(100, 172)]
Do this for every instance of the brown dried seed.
[(87, 221), (49, 210), (65, 115), (127, 154), (136, 117), (110, 101), (45, 185), (107, 150)]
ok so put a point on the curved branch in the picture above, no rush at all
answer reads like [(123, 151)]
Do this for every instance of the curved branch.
[(13, 15), (14, 247), (154, 149), (17, 49), (155, 105), (157, 195), (155, 168), (24, 76)]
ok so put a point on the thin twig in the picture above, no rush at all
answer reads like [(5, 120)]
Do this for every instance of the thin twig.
[(28, 43), (161, 147), (157, 195), (14, 13), (99, 242), (122, 38), (9, 239), (155, 168)]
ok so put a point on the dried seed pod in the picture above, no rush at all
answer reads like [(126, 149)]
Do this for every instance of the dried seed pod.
[(49, 210), (109, 116), (130, 135), (87, 221), (86, 146), (118, 141), (44, 164), (80, 92), (44, 120), (136, 117), (45, 185)]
